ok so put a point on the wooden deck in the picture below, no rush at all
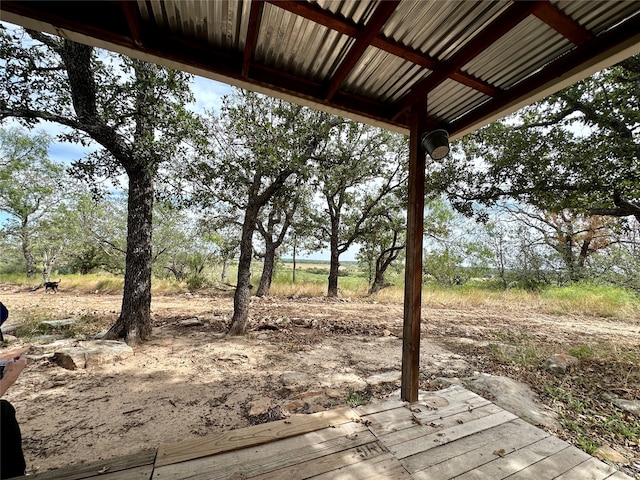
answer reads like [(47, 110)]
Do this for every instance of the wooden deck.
[(448, 434)]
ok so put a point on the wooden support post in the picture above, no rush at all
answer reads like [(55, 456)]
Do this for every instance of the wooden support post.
[(413, 263)]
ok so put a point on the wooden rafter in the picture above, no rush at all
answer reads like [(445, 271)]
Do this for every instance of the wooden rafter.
[(252, 35), (562, 23), (341, 25), (490, 34), (132, 15), (362, 42)]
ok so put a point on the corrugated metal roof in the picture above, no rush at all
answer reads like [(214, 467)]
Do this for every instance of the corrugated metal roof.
[(299, 46), (598, 16), (507, 61), (379, 74), (451, 99), (439, 29), (369, 59)]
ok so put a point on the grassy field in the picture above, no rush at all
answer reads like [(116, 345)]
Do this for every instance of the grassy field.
[(311, 281)]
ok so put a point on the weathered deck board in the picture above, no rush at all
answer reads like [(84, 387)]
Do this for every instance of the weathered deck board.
[(553, 465), (251, 436), (460, 456), (399, 419), (449, 434), (272, 456), (384, 466), (374, 453), (110, 469), (502, 467), (421, 429), (591, 469)]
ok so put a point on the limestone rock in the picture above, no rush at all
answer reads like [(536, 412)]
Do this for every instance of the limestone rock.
[(608, 454), (60, 323), (384, 377), (259, 407), (559, 363), (294, 406), (91, 353), (191, 322), (513, 396), (50, 348), (631, 406)]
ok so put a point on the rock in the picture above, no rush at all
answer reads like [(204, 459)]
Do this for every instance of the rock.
[(516, 397), (559, 363), (608, 454), (333, 393), (60, 323), (386, 332), (191, 322), (91, 353), (350, 380), (294, 406), (10, 328), (631, 406), (259, 407), (105, 351), (9, 338), (53, 346), (385, 377), (308, 393)]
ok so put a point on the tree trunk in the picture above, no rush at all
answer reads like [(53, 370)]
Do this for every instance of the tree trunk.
[(384, 260), (293, 276), (242, 297), (223, 275), (134, 322), (334, 266), (49, 262), (267, 270), (26, 250)]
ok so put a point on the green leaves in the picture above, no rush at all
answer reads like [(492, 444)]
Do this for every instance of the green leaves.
[(573, 150)]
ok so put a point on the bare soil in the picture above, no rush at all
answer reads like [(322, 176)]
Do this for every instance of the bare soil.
[(300, 356)]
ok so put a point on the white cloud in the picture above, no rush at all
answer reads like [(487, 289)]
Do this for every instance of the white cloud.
[(209, 93)]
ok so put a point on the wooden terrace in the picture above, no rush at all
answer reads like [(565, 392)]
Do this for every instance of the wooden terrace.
[(452, 433)]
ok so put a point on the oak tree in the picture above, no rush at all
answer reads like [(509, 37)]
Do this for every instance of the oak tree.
[(132, 110)]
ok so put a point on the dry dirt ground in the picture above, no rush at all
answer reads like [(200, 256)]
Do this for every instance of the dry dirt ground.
[(300, 356)]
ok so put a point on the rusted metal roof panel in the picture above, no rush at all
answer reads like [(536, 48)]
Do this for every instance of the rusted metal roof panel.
[(515, 56)]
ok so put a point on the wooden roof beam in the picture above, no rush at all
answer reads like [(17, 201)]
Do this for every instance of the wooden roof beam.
[(255, 14), (490, 34), (132, 16), (562, 23), (346, 27)]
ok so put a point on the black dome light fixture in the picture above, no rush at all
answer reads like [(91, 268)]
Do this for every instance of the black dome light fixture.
[(436, 143)]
